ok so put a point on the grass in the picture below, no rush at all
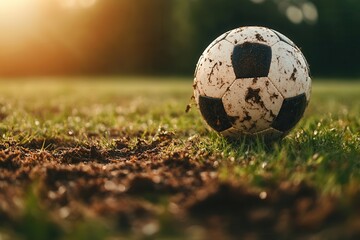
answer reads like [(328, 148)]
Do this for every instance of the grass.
[(106, 157)]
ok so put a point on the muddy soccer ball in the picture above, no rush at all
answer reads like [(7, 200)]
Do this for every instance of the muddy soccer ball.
[(252, 81)]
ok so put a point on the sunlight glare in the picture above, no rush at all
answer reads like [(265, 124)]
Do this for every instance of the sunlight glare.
[(258, 1), (310, 12), (68, 3), (75, 4), (87, 3), (294, 14), (17, 11), (18, 20)]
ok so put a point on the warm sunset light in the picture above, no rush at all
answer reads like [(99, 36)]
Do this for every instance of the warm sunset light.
[(45, 36), (18, 18), (20, 14), (73, 4), (13, 12)]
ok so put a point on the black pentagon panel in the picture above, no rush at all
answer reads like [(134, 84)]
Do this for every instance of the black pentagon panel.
[(214, 113), (251, 60), (290, 113)]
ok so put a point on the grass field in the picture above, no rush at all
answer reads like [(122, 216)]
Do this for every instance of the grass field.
[(108, 159)]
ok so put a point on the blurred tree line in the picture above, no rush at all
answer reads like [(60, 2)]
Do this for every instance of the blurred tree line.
[(168, 36)]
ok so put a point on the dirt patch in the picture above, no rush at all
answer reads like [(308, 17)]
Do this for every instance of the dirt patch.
[(259, 37), (81, 154), (293, 75), (285, 208), (134, 183)]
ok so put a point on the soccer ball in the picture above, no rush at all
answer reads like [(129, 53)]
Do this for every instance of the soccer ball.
[(252, 81)]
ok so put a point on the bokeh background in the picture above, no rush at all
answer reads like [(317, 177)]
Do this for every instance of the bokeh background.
[(165, 37)]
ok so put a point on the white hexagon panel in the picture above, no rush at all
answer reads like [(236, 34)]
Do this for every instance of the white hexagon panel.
[(252, 104), (217, 40), (253, 35), (214, 73), (284, 38), (289, 71)]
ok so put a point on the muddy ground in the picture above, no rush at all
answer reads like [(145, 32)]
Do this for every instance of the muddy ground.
[(145, 190)]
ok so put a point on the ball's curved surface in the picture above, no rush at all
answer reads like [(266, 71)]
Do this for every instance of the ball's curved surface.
[(252, 81)]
